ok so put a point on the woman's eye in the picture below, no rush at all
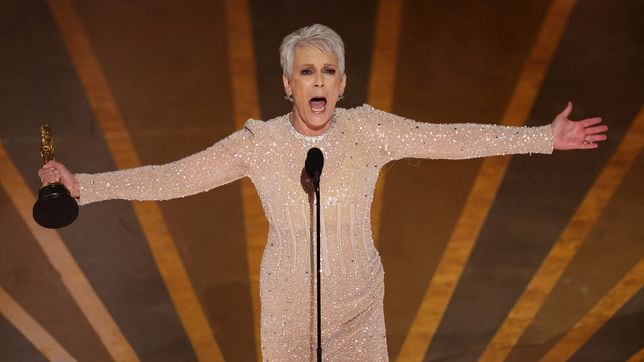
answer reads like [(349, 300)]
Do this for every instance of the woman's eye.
[(330, 71), (306, 72)]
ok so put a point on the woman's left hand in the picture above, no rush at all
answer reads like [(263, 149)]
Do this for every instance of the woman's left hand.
[(571, 135)]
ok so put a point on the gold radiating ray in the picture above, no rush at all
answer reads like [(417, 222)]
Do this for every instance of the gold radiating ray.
[(241, 60), (382, 78), (597, 317), (32, 330), (64, 263), (637, 357), (125, 155), (568, 243), (484, 188)]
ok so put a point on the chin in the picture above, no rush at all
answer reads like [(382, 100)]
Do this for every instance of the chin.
[(319, 120)]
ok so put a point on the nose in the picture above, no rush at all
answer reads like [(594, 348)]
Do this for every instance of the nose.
[(319, 81)]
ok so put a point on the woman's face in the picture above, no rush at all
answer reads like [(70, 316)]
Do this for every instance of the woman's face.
[(315, 84)]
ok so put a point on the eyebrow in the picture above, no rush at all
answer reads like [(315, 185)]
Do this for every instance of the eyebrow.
[(325, 64)]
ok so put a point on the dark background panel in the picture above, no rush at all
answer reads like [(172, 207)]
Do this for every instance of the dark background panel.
[(106, 240), (37, 80), (29, 278), (167, 68), (618, 339), (13, 343), (458, 62), (612, 248), (540, 193)]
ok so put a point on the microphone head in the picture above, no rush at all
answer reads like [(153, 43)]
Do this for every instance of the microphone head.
[(314, 163)]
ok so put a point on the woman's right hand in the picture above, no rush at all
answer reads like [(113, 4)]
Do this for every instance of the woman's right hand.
[(54, 171)]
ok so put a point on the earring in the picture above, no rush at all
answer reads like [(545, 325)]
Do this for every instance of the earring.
[(289, 97), (341, 97)]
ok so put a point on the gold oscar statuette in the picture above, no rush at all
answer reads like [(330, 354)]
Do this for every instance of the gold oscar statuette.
[(55, 207)]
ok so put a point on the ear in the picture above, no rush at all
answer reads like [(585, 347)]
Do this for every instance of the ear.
[(287, 85), (343, 83)]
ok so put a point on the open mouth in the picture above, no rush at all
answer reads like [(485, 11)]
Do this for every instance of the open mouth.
[(318, 104)]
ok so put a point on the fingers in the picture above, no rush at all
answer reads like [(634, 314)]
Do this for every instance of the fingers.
[(55, 166), (596, 129), (52, 164), (590, 141), (594, 134), (588, 146), (566, 112), (590, 121), (594, 138), (52, 171), (49, 175)]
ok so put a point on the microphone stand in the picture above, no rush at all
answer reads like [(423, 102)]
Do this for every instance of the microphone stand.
[(313, 166), (316, 181)]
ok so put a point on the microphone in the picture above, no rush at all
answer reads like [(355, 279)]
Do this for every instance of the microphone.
[(313, 165)]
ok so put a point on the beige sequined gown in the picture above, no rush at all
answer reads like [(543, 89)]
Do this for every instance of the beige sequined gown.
[(272, 154)]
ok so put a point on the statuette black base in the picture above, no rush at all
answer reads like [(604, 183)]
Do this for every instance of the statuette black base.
[(55, 208)]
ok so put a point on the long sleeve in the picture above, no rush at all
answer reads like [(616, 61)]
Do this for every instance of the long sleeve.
[(219, 164), (400, 137)]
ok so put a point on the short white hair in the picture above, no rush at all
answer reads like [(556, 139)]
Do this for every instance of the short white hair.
[(318, 36)]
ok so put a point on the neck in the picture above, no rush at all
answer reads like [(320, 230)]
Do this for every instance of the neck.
[(306, 129)]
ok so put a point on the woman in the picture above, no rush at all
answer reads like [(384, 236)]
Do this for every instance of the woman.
[(356, 143)]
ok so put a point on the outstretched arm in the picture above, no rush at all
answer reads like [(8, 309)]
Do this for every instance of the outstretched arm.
[(223, 162), (571, 135), (400, 137)]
